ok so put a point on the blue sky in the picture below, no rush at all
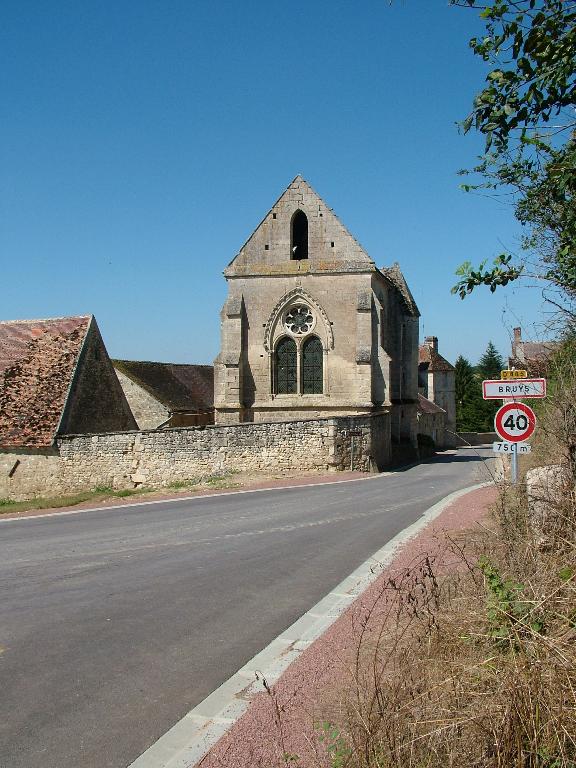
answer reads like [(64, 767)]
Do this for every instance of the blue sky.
[(142, 142)]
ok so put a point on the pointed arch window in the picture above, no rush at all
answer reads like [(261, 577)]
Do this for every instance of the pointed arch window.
[(285, 368), (299, 236), (312, 367)]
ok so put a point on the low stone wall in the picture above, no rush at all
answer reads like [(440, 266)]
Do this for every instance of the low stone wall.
[(160, 457), (476, 438), (24, 474)]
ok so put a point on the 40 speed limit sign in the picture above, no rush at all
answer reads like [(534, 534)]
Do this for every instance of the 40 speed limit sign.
[(515, 422)]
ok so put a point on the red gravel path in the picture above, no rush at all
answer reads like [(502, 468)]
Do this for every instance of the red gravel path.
[(255, 740)]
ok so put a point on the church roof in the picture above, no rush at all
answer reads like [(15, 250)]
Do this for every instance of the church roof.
[(179, 387), (38, 359), (432, 360), (395, 276)]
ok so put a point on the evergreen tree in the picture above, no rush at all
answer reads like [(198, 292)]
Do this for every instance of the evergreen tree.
[(491, 363), (466, 388), (489, 366)]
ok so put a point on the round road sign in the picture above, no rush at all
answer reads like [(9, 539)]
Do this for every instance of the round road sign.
[(515, 422)]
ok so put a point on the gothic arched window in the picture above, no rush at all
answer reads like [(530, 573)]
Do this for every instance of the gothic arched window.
[(285, 368), (312, 367), (299, 236)]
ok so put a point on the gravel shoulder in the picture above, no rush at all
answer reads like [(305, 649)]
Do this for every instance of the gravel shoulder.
[(282, 721)]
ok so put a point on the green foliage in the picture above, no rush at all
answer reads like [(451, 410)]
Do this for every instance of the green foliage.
[(533, 45), (491, 363), (508, 610), (501, 273), (336, 745), (468, 397), (291, 759), (473, 413), (525, 112)]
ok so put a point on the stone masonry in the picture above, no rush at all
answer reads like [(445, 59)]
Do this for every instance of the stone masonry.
[(160, 457), (363, 320)]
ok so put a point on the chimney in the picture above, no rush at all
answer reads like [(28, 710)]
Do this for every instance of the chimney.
[(517, 340), (432, 342)]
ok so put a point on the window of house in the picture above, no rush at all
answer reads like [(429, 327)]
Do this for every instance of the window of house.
[(285, 368), (299, 236), (312, 372)]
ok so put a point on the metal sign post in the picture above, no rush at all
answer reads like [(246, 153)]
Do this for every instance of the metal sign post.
[(514, 468)]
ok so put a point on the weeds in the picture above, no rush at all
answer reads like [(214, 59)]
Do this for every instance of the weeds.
[(102, 492), (474, 663)]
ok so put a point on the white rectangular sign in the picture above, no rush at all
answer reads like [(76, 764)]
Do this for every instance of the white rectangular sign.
[(519, 388), (506, 447)]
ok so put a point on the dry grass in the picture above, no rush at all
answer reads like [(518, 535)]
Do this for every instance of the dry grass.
[(468, 659)]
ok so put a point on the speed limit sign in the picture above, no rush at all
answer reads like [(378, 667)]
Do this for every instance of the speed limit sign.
[(515, 422)]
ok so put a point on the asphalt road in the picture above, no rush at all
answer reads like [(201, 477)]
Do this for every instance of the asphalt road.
[(114, 623)]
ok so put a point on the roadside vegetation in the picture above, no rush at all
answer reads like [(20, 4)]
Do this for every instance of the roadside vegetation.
[(473, 413), (104, 493), (468, 658)]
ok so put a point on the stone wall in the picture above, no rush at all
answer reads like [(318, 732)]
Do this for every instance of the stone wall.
[(433, 425), (477, 438), (160, 457)]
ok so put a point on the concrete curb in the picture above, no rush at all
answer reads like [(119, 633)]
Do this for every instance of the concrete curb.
[(197, 732)]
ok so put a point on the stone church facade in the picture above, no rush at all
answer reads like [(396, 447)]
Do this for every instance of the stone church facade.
[(312, 328)]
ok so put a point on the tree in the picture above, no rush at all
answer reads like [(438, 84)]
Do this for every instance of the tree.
[(489, 367), (466, 391), (490, 364), (473, 413), (526, 113)]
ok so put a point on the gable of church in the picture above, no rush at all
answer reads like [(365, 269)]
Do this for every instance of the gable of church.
[(300, 234)]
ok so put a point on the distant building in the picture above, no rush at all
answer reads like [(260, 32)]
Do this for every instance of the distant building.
[(167, 394), (432, 422), (436, 383), (55, 379), (532, 356)]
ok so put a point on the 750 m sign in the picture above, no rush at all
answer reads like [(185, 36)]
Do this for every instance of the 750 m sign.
[(515, 422)]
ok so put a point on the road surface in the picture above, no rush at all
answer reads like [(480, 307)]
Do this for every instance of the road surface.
[(114, 623)]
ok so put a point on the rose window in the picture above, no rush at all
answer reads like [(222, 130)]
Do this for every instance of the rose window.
[(299, 320)]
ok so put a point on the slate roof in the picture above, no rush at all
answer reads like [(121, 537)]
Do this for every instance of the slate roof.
[(431, 360), (427, 406), (179, 387), (38, 359)]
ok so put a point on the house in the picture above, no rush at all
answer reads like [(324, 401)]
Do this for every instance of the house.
[(432, 423), (437, 383), (167, 394), (533, 356), (312, 328)]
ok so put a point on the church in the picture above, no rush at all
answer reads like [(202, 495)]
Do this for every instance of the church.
[(312, 328)]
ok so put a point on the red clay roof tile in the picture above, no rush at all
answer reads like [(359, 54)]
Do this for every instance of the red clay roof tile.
[(37, 361)]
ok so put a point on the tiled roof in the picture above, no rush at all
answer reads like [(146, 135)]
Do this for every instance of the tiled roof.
[(538, 350), (427, 406), (432, 360), (37, 361), (177, 386)]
